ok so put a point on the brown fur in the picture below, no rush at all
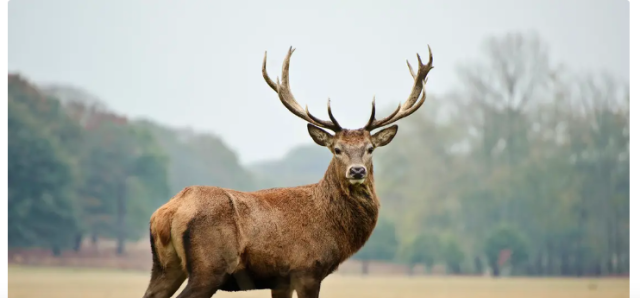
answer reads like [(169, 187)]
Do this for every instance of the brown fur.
[(283, 239)]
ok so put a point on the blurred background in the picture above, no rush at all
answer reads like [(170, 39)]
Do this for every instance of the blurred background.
[(517, 164)]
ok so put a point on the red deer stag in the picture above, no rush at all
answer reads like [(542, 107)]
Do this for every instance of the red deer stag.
[(283, 239)]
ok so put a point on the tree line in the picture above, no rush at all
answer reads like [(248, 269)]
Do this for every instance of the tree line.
[(78, 170), (522, 169)]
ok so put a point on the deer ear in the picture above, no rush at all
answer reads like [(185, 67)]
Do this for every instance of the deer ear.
[(320, 136), (384, 136)]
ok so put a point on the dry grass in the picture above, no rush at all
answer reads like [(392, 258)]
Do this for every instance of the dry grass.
[(95, 283)]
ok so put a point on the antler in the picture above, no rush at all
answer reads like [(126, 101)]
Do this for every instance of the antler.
[(409, 106), (287, 99)]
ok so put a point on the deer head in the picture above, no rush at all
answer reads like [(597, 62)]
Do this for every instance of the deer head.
[(352, 148)]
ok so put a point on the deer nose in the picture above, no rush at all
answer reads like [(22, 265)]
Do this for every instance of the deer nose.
[(357, 172)]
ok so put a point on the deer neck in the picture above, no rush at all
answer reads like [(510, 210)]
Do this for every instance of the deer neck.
[(352, 208)]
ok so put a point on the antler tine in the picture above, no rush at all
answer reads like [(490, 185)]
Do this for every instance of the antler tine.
[(333, 119), (410, 105), (372, 118), (265, 75), (333, 123), (289, 101), (373, 123), (406, 112), (411, 70)]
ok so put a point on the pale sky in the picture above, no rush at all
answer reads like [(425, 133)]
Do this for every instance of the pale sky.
[(198, 63)]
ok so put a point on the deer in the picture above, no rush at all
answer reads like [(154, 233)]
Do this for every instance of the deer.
[(280, 239)]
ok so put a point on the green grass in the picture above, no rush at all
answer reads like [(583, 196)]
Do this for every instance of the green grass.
[(28, 282)]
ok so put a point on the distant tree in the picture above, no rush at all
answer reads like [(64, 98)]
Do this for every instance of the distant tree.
[(425, 249), (303, 164), (452, 254), (124, 171), (42, 173), (128, 175), (198, 159), (506, 239), (382, 245)]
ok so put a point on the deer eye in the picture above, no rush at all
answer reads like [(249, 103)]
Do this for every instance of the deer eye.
[(337, 150), (370, 150)]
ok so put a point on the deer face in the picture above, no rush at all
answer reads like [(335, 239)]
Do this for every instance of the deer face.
[(353, 149)]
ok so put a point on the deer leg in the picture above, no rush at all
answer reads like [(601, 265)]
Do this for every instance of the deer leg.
[(308, 288), (286, 293), (165, 281), (201, 286), (205, 279), (164, 284), (207, 267)]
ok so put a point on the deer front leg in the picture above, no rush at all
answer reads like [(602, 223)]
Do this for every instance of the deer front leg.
[(282, 293), (307, 287)]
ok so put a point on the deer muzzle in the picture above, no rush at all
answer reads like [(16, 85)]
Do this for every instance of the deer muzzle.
[(356, 174)]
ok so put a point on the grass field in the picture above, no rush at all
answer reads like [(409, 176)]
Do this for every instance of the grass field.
[(95, 283)]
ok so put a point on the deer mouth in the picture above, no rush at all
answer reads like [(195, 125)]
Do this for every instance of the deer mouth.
[(356, 181)]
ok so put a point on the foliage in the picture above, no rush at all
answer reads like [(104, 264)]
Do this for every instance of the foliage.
[(199, 159), (76, 170), (302, 165), (524, 144), (382, 243), (452, 254), (41, 203), (424, 249), (505, 238)]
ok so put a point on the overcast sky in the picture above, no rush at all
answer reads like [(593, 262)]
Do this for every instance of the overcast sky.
[(198, 63)]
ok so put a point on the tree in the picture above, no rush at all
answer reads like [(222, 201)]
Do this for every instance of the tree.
[(124, 170), (131, 181), (42, 174), (525, 144), (302, 165), (198, 159), (382, 245), (505, 239), (425, 249), (452, 254)]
